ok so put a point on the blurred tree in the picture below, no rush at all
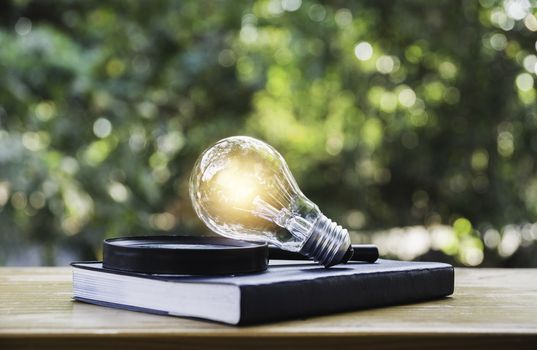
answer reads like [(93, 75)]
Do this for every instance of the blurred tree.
[(390, 113)]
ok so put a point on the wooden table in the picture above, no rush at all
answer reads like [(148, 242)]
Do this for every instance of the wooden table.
[(491, 308)]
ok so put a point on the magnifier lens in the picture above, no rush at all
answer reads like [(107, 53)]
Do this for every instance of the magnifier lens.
[(184, 255)]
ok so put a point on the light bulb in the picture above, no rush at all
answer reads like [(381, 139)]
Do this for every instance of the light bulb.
[(242, 188)]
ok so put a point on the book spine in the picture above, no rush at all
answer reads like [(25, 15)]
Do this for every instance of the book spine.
[(286, 300)]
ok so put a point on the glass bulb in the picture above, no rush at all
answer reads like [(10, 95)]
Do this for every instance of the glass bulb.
[(242, 188)]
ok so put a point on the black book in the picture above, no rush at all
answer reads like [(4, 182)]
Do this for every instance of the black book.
[(288, 289)]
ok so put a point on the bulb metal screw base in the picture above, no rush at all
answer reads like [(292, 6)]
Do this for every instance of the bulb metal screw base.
[(328, 244)]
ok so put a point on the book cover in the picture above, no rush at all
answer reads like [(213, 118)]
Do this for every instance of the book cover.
[(288, 289)]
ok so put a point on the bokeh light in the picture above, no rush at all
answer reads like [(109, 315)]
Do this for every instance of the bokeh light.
[(363, 51)]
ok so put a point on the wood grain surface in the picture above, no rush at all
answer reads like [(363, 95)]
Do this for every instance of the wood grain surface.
[(490, 309)]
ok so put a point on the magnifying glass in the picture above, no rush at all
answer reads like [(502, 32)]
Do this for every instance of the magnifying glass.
[(192, 255)]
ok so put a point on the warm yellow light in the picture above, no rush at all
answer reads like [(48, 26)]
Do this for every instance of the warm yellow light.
[(237, 185)]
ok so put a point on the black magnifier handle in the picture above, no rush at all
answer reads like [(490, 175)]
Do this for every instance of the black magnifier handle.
[(362, 252)]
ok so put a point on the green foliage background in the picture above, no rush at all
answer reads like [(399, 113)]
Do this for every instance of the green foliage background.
[(104, 107)]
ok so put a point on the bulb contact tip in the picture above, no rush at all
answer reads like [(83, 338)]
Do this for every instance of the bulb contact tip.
[(348, 255)]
